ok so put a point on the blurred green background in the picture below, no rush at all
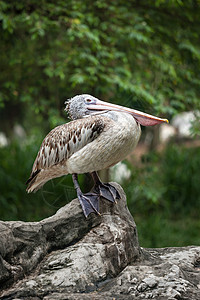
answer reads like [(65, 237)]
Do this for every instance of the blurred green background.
[(141, 54)]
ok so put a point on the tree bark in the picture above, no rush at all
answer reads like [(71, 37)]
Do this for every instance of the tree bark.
[(69, 257)]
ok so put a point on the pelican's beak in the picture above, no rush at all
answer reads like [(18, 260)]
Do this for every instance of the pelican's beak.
[(142, 118)]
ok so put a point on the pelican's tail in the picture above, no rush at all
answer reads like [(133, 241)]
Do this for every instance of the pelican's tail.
[(40, 177), (34, 182)]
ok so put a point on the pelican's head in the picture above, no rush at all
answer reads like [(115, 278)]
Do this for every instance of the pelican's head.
[(84, 105), (78, 106)]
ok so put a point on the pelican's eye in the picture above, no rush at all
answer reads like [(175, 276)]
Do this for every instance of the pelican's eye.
[(88, 100)]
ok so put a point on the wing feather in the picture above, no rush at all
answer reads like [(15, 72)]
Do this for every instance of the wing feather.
[(64, 140)]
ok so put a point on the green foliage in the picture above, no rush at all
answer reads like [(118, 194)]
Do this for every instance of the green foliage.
[(16, 163), (144, 54), (181, 173), (163, 199), (157, 230), (169, 180), (137, 51), (163, 195), (196, 128)]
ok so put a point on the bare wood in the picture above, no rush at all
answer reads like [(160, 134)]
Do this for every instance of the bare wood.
[(68, 257)]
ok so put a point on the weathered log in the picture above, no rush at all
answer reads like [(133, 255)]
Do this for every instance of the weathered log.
[(69, 257)]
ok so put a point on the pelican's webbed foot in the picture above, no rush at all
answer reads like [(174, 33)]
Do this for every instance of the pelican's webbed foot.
[(89, 202), (105, 190)]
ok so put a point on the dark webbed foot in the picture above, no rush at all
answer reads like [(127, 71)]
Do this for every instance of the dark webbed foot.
[(89, 202), (105, 190)]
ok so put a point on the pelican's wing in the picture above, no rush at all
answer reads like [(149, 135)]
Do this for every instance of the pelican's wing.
[(65, 140)]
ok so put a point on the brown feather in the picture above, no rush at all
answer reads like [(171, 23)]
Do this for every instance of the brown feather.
[(63, 141)]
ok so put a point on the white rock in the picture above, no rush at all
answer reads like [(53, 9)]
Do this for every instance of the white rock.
[(3, 140)]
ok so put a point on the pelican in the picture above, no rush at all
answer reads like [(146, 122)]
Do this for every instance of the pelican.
[(99, 136)]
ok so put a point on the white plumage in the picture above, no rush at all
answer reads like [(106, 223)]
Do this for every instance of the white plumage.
[(100, 135)]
